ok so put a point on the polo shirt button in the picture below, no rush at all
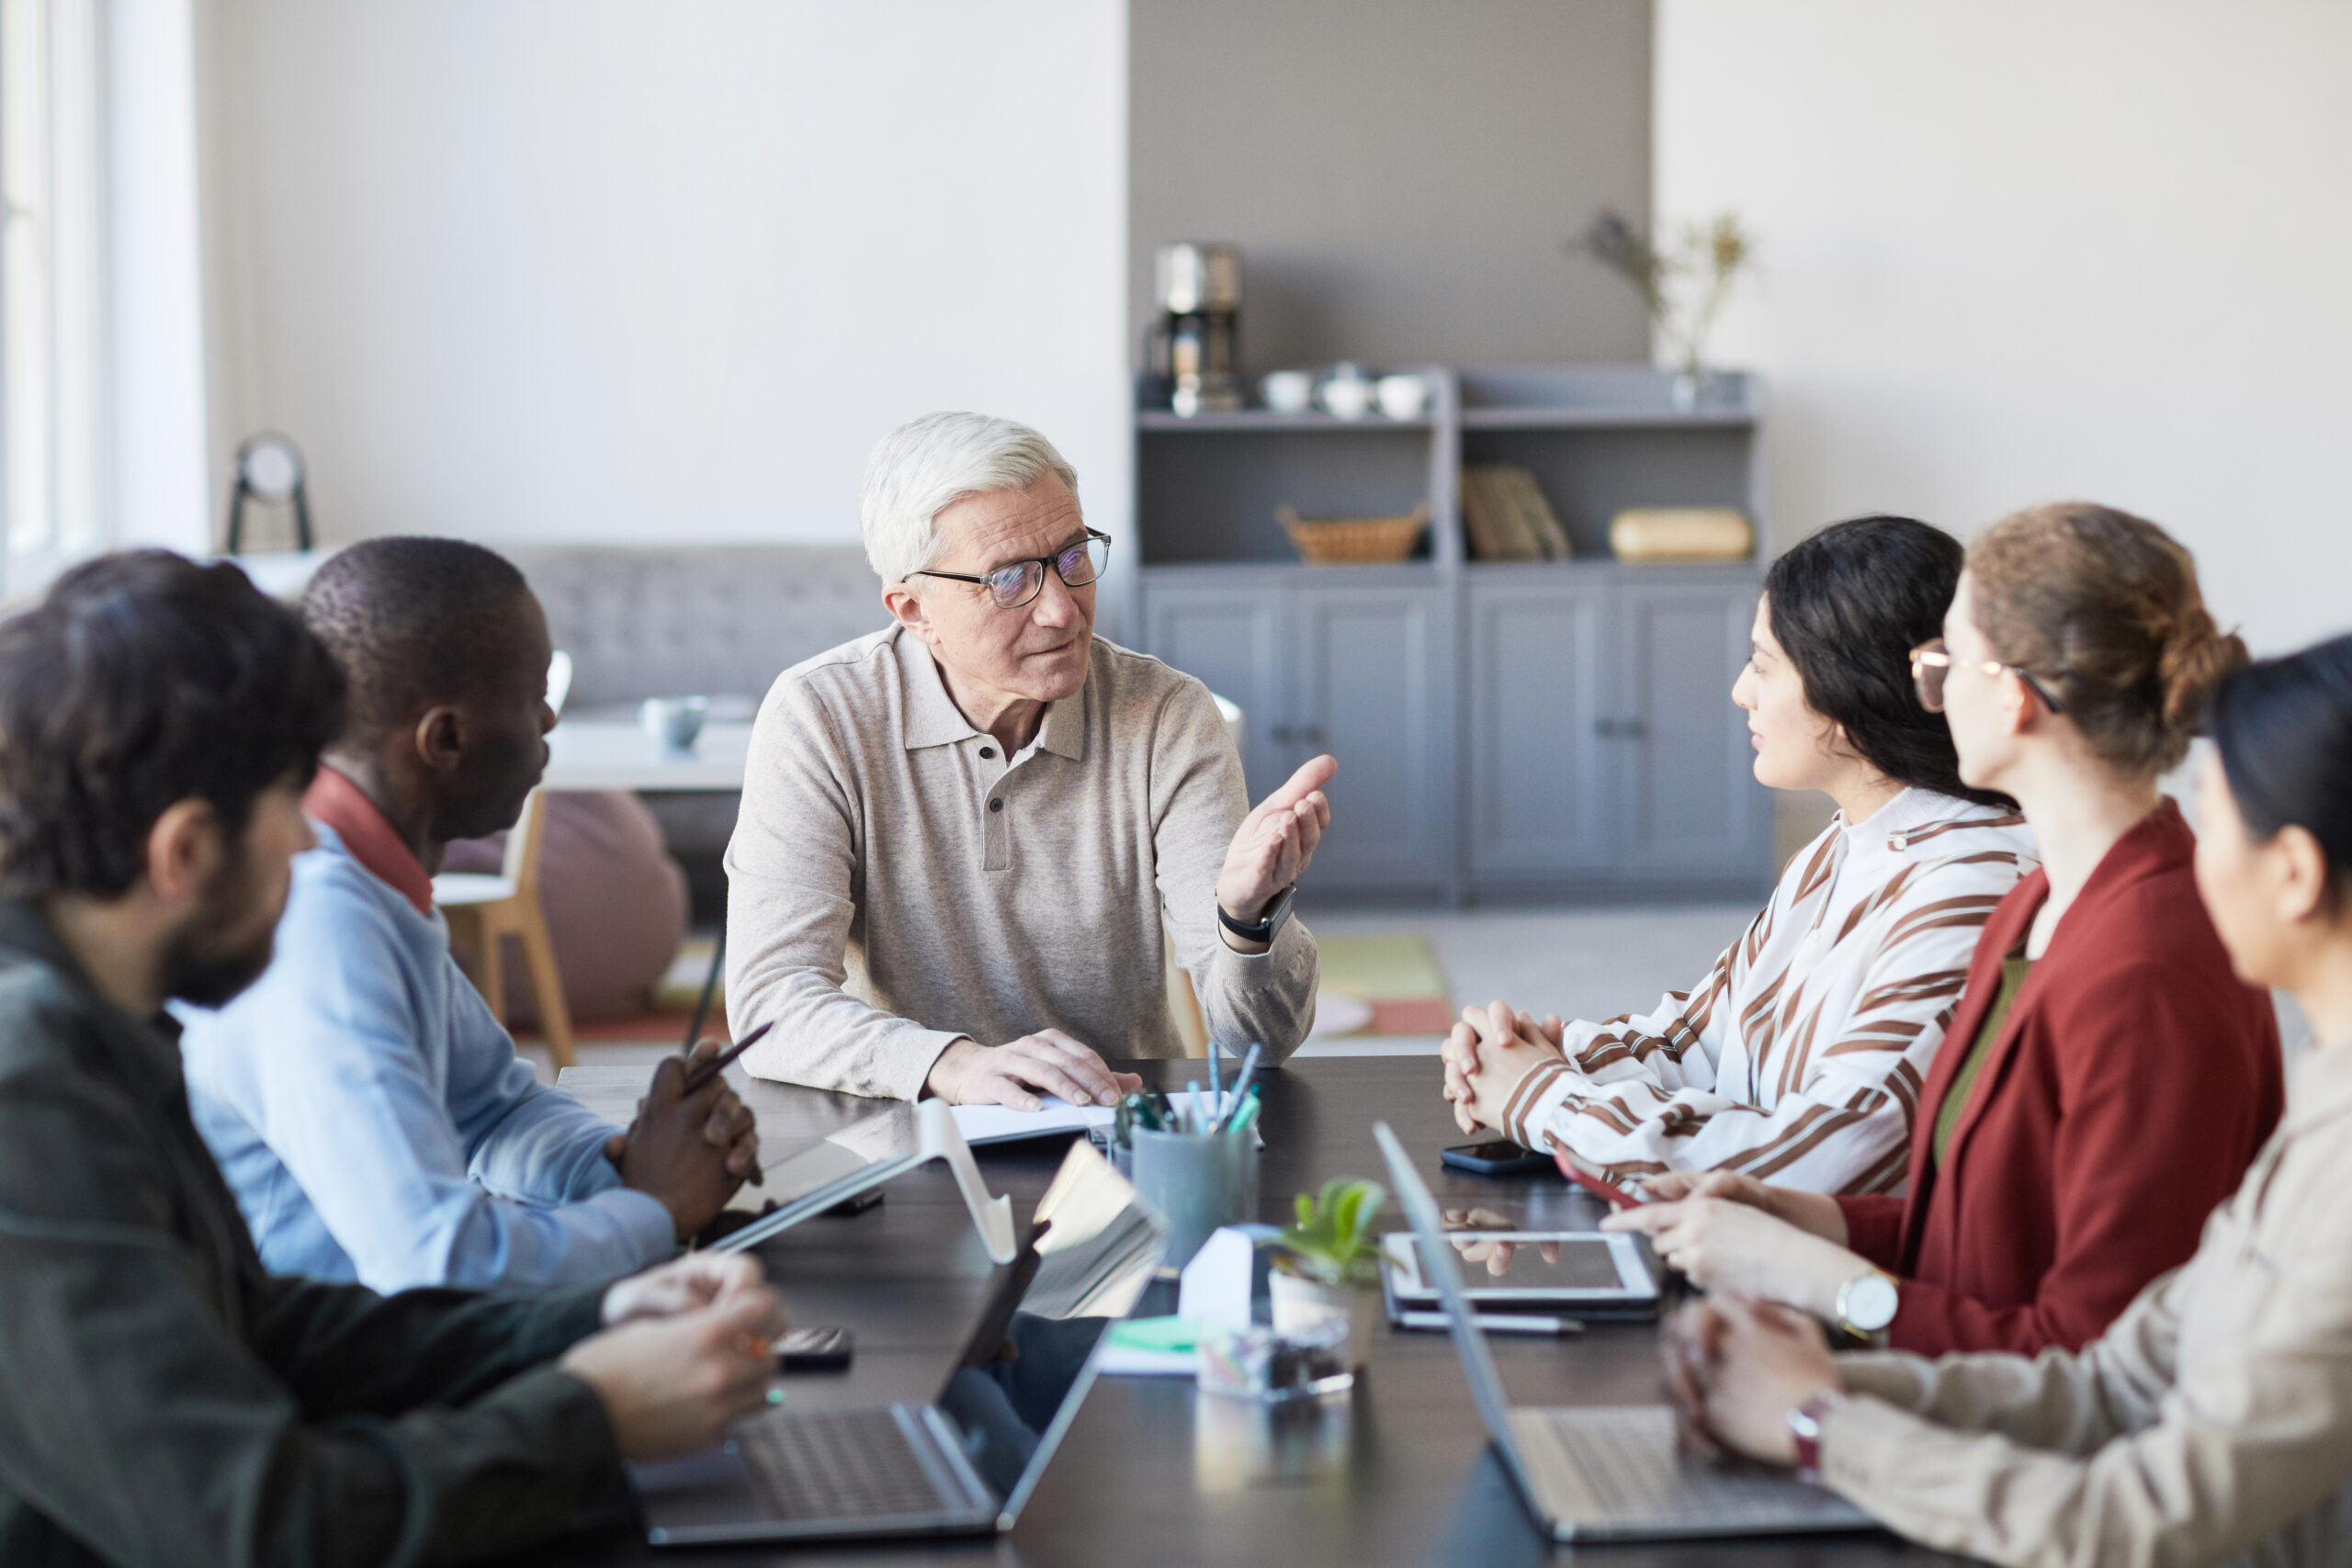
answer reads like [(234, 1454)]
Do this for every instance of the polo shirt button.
[(988, 751), (996, 806)]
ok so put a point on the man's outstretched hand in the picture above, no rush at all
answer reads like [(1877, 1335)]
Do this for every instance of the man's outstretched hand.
[(1272, 848)]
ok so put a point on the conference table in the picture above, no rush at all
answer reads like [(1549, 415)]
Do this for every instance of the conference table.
[(1153, 1473)]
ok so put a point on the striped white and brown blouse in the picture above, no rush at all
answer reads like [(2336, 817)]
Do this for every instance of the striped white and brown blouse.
[(1800, 1057)]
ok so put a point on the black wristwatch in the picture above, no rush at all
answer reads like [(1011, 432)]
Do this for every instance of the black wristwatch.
[(1263, 928)]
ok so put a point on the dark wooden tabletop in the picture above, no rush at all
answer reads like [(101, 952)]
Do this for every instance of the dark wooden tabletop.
[(1154, 1473)]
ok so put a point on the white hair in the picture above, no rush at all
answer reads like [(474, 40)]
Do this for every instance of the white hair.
[(929, 464)]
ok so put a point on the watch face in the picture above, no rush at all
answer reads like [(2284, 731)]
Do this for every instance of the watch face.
[(1869, 1303)]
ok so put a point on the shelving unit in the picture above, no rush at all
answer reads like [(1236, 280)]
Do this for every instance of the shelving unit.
[(1505, 730)]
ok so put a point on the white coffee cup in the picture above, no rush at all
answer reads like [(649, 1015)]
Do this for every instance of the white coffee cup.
[(1403, 397), (675, 723), (1348, 393), (1288, 391)]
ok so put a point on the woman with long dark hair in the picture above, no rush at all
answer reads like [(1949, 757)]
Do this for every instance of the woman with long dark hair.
[(2213, 1421), (1801, 1054)]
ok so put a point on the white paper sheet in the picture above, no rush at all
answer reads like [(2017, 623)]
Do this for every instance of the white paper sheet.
[(1002, 1125)]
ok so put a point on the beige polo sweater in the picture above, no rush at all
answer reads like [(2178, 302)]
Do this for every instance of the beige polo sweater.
[(981, 895)]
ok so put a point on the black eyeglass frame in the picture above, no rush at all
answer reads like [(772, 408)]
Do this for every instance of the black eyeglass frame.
[(1934, 651), (1042, 563)]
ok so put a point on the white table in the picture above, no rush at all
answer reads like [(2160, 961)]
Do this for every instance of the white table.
[(613, 754), (609, 755)]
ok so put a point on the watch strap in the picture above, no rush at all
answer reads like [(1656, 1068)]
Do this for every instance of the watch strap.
[(1263, 928), (1804, 1426)]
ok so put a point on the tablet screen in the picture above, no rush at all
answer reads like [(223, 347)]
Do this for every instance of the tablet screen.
[(1521, 1264)]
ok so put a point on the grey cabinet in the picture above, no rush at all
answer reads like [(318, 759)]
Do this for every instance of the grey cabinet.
[(1506, 728), (1604, 749), (1361, 669), (1234, 636), (1690, 802), (1539, 693), (1365, 688)]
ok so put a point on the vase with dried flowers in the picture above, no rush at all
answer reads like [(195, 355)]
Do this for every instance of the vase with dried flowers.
[(1683, 279)]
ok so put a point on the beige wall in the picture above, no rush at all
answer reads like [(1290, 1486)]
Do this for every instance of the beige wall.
[(2018, 250), (1400, 175)]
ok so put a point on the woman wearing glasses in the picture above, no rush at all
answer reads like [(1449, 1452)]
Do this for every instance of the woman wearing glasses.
[(2105, 1078), (1801, 1053), (2208, 1424)]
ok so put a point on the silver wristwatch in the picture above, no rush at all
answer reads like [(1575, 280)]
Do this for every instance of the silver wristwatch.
[(1867, 1303)]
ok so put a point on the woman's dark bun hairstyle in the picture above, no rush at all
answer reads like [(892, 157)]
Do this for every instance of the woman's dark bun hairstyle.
[(1848, 605), (2284, 729), (2104, 608)]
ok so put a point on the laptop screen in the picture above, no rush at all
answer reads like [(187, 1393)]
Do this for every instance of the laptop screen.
[(1440, 1268), (1019, 1381)]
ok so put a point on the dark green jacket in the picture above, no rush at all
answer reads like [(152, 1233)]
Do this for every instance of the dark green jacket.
[(163, 1400)]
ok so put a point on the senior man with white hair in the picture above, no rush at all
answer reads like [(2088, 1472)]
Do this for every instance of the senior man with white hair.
[(995, 809)]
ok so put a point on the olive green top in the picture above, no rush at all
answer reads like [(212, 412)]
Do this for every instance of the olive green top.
[(2014, 969)]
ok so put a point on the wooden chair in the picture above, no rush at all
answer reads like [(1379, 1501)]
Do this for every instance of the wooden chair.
[(484, 910)]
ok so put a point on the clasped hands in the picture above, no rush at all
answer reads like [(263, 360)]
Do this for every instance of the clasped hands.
[(689, 1151), (1270, 851)]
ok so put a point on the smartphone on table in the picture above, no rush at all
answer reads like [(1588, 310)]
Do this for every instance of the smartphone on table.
[(1495, 1157), (815, 1350)]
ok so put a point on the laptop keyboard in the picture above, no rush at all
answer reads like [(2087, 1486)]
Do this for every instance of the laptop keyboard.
[(835, 1464), (1621, 1466)]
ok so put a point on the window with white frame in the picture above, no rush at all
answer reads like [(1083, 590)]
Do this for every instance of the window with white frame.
[(53, 509)]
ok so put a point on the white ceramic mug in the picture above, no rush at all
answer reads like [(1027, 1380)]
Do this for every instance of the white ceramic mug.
[(1348, 393), (676, 723), (1288, 391), (1403, 397)]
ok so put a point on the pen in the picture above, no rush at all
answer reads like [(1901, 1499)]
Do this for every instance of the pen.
[(1194, 1121), (1217, 1084), (1241, 1079), (1496, 1323), (1244, 1119), (697, 1077)]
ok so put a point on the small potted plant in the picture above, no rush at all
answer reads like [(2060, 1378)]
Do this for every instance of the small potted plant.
[(1327, 1267), (1683, 277)]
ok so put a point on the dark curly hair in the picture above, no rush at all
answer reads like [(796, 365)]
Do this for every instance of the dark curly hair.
[(415, 621), (139, 681), (1848, 605)]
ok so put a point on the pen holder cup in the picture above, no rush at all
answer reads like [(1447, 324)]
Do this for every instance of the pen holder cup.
[(1199, 1182)]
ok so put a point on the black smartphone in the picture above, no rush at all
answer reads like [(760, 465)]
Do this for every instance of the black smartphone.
[(1496, 1156), (815, 1350)]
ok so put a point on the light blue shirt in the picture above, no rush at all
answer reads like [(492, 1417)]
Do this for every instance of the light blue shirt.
[(374, 1120)]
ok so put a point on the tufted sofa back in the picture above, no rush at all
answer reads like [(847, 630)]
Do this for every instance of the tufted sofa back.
[(720, 620)]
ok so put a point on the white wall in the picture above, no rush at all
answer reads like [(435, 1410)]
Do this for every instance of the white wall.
[(632, 270), (2019, 250), (161, 492)]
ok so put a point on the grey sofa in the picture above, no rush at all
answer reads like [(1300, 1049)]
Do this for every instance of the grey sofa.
[(720, 621)]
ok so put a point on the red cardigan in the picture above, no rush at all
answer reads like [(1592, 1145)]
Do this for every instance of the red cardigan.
[(2128, 1090)]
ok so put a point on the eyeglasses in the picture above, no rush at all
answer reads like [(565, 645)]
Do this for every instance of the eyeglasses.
[(1015, 583), (1931, 661)]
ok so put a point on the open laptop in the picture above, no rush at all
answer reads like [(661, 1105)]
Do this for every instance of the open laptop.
[(966, 1462), (862, 1157), (1603, 1472)]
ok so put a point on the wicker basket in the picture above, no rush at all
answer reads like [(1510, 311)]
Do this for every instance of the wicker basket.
[(1354, 541)]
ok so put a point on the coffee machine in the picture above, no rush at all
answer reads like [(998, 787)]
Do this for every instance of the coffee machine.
[(1192, 362)]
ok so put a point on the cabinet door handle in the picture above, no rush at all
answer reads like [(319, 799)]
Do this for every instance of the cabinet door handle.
[(1620, 729), (1312, 734), (1281, 733)]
